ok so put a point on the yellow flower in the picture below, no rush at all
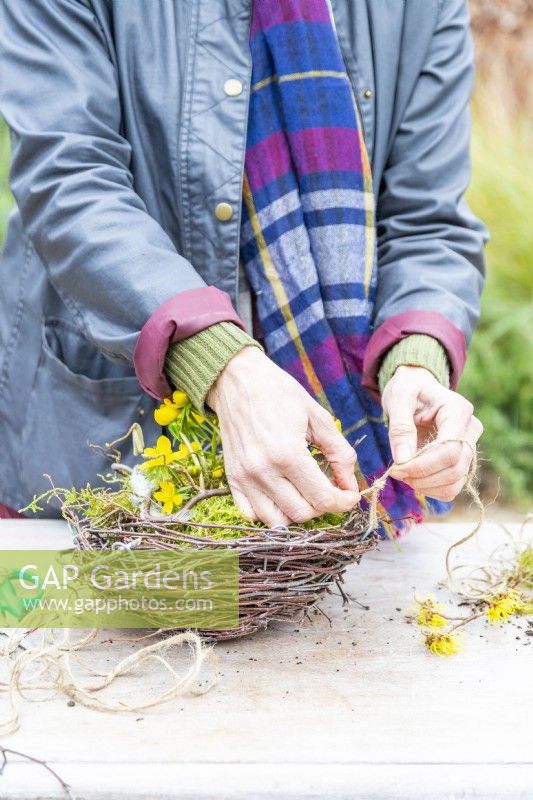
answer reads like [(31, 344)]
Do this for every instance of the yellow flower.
[(443, 644), (433, 621), (161, 455), (429, 614), (218, 472), (504, 605), (168, 496), (166, 413), (198, 417), (338, 424), (170, 408)]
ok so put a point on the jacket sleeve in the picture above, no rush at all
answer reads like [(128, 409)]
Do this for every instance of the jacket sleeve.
[(109, 260), (430, 246)]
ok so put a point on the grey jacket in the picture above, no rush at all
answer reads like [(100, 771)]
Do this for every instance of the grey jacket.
[(124, 141)]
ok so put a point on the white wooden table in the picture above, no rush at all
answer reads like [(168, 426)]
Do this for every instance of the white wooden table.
[(355, 710)]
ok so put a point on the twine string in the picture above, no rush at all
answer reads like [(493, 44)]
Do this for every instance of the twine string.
[(372, 493), (53, 657)]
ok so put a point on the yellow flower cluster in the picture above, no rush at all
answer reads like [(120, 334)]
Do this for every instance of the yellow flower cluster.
[(431, 618), (504, 606), (443, 644), (440, 630), (186, 461), (429, 614)]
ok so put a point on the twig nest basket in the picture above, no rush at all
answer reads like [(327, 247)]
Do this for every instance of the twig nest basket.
[(283, 572), (177, 498)]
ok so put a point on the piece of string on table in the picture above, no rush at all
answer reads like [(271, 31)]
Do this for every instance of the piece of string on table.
[(51, 669)]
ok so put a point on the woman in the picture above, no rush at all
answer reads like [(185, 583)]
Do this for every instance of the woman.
[(183, 168)]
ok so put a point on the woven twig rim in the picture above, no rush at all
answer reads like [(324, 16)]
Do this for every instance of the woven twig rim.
[(283, 572)]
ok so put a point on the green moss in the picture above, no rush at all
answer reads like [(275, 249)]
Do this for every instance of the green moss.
[(103, 506), (222, 510), (325, 521)]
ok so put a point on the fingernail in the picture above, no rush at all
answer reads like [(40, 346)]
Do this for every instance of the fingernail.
[(402, 453)]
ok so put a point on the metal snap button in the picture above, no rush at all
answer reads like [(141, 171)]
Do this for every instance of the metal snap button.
[(233, 87), (223, 212)]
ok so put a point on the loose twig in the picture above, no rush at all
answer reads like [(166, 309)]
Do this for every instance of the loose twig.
[(5, 751), (220, 492)]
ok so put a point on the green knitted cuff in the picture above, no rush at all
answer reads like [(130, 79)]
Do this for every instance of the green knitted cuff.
[(194, 364), (416, 350)]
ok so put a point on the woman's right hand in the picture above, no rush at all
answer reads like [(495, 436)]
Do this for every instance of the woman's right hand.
[(267, 421)]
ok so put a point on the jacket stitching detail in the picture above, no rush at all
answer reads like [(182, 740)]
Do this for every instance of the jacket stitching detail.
[(185, 131), (182, 129), (212, 194), (217, 152), (214, 55), (216, 245), (240, 171), (210, 108), (15, 330), (228, 17)]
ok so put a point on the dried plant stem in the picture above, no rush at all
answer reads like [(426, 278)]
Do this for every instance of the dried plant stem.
[(174, 468), (465, 621), (5, 751), (203, 495), (470, 488)]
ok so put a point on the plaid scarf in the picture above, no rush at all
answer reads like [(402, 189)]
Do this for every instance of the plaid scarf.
[(308, 240)]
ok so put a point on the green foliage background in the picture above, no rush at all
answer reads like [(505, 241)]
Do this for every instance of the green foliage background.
[(498, 378), (499, 375)]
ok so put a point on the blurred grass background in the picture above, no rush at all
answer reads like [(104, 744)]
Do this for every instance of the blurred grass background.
[(499, 374), (498, 378)]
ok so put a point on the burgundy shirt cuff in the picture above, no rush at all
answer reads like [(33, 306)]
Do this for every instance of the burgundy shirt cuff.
[(401, 325), (9, 513), (183, 315)]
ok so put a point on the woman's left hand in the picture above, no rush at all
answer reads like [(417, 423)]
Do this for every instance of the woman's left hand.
[(420, 409)]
